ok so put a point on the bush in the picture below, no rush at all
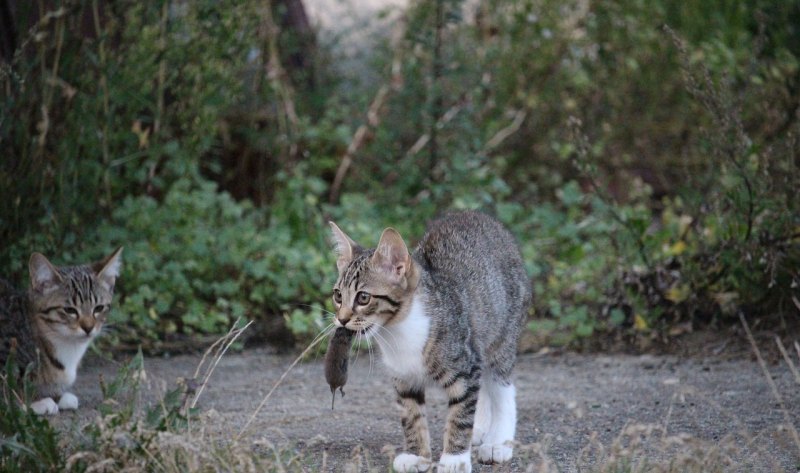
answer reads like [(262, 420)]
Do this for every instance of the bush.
[(648, 184)]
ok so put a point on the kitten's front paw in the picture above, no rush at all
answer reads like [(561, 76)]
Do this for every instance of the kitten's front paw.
[(68, 401), (410, 463), (497, 453), (46, 406), (459, 463)]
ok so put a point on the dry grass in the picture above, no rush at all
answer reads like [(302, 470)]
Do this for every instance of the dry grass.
[(207, 442)]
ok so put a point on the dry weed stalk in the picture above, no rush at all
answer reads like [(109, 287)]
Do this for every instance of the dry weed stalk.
[(220, 347), (787, 418), (263, 402), (788, 359)]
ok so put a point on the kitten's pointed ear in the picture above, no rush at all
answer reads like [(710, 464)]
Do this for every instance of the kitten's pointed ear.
[(345, 247), (391, 255), (107, 270), (44, 275)]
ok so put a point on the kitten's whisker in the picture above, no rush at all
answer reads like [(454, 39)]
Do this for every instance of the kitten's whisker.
[(325, 332), (371, 356), (386, 330), (357, 345), (311, 306), (384, 343)]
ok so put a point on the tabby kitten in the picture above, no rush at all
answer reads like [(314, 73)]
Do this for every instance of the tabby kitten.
[(52, 325), (451, 315)]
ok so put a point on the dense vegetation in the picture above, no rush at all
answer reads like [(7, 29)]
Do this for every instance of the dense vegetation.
[(645, 154)]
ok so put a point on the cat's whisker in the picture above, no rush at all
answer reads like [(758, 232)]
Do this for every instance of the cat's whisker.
[(324, 333), (391, 334), (371, 355), (357, 345), (384, 343)]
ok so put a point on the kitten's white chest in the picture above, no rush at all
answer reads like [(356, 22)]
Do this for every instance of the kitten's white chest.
[(69, 353), (402, 344)]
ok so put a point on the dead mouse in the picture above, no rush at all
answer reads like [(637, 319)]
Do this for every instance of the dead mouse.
[(336, 360)]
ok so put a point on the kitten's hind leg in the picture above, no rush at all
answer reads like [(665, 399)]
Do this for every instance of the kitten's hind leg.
[(67, 402), (497, 446), (483, 416), (45, 406)]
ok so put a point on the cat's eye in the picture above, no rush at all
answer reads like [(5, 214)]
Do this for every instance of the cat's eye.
[(337, 296), (362, 298), (71, 311), (99, 308)]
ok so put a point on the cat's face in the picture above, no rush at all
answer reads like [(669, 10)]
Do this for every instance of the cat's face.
[(373, 286), (72, 302)]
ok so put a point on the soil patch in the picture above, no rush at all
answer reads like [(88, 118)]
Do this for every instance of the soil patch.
[(572, 408)]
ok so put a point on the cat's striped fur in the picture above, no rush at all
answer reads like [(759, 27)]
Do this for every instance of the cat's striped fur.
[(450, 315), (50, 327)]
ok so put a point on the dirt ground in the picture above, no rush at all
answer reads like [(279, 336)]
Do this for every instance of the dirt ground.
[(571, 408)]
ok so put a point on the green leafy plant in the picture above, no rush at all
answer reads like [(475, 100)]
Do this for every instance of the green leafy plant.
[(28, 442)]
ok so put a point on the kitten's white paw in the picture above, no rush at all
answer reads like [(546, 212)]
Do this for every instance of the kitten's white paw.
[(497, 453), (410, 463), (46, 406), (459, 463), (67, 402)]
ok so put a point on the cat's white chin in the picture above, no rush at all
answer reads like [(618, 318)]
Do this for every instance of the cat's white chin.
[(410, 463)]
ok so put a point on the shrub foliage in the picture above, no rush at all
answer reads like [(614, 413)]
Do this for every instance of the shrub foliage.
[(648, 172)]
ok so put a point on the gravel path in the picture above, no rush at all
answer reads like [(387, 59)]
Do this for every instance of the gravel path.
[(572, 408)]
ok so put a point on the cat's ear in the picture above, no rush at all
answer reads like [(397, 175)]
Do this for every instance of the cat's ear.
[(107, 270), (391, 255), (44, 276), (345, 247)]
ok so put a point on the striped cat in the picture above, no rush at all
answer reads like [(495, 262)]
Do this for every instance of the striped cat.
[(52, 325), (450, 315)]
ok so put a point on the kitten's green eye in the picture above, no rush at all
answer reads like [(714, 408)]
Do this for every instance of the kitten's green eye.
[(99, 308), (362, 298), (71, 311), (337, 296)]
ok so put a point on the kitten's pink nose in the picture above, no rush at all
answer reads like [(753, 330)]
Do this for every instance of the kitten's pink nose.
[(87, 329), (344, 316)]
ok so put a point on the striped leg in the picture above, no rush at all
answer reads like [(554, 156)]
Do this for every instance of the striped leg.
[(417, 454), (462, 392)]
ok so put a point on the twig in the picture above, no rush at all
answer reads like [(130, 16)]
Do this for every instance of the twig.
[(358, 140), (362, 134), (423, 140), (275, 386), (788, 359), (279, 79), (509, 130), (435, 90), (771, 382)]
